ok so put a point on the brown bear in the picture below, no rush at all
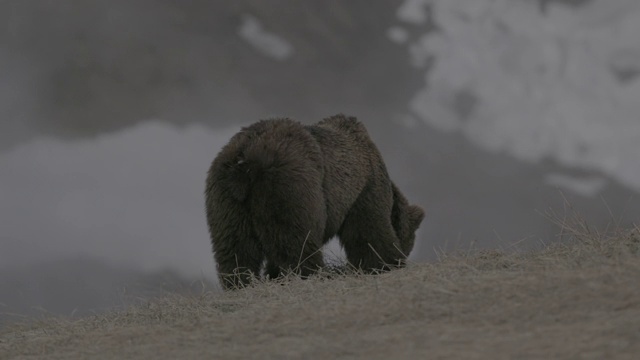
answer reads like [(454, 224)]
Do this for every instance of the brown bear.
[(279, 190)]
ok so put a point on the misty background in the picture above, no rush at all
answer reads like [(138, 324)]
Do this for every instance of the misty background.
[(488, 113)]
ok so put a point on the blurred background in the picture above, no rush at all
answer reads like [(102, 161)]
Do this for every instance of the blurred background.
[(489, 114)]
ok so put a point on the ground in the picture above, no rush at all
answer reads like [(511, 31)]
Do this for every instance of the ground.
[(577, 298)]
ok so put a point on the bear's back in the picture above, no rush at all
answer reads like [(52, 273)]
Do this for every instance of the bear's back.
[(345, 125)]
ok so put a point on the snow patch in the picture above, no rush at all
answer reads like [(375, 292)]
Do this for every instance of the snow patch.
[(585, 186), (134, 198), (563, 84), (267, 43), (414, 11), (397, 34), (334, 253)]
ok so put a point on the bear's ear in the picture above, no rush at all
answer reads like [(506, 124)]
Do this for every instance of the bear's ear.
[(415, 215)]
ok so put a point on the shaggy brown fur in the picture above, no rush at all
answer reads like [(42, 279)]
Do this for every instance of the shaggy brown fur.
[(279, 190), (405, 219)]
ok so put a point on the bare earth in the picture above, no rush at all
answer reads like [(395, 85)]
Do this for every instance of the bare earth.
[(575, 300)]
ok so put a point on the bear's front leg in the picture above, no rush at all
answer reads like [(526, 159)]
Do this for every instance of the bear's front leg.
[(367, 235)]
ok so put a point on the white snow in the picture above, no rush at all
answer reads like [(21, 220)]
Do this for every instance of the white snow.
[(588, 186), (397, 34), (563, 84), (269, 44), (413, 11), (134, 197)]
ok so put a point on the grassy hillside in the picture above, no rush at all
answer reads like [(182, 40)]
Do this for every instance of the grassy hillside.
[(577, 298)]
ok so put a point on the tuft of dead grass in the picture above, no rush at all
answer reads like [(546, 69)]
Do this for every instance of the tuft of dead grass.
[(575, 298)]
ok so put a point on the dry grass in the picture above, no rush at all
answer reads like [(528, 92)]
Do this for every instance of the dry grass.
[(578, 298)]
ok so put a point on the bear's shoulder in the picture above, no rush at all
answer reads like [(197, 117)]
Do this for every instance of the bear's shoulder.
[(344, 124)]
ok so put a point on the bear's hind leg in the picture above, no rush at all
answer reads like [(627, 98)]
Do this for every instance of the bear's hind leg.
[(237, 272), (291, 222), (238, 255), (299, 254)]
